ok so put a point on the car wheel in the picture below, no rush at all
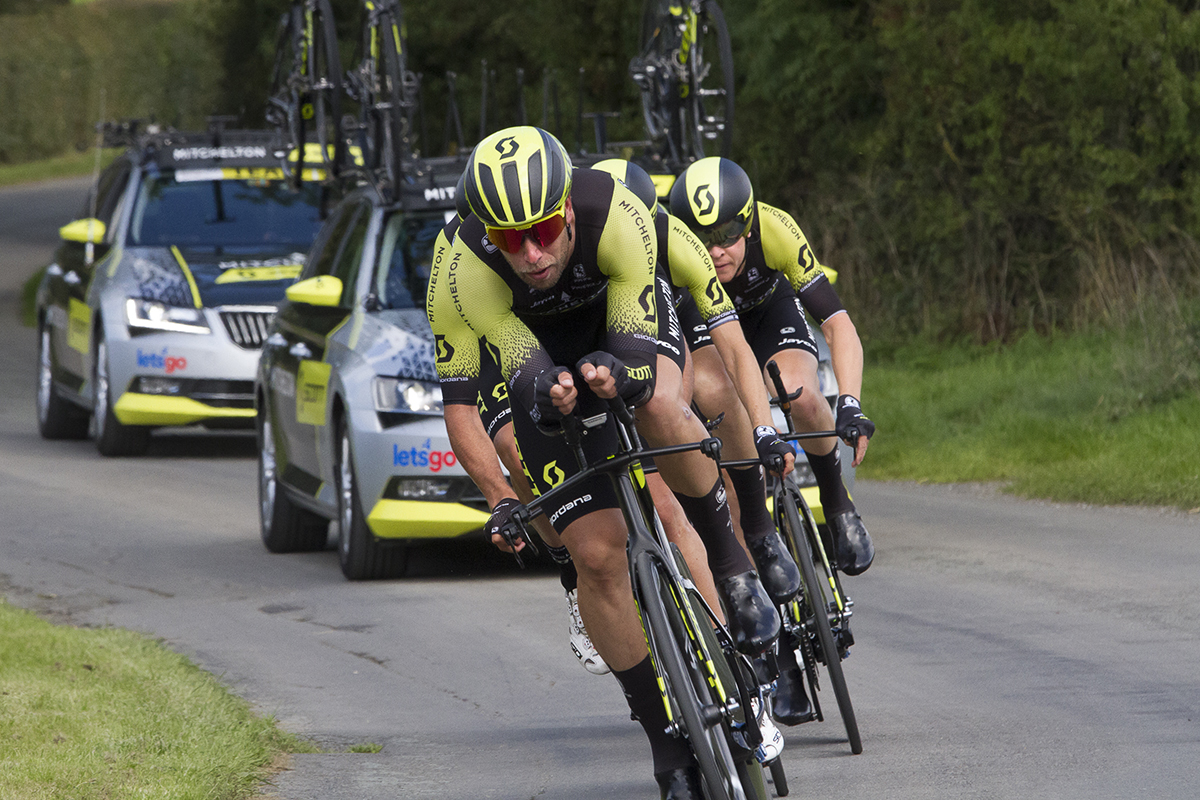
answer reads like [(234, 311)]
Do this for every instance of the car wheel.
[(285, 527), (112, 437), (58, 418), (362, 556)]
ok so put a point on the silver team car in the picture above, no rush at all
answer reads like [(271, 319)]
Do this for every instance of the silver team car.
[(349, 408), (155, 306)]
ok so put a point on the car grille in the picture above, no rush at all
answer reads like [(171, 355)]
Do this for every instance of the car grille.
[(247, 329)]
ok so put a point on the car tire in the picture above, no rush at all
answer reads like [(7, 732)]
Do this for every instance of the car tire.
[(112, 437), (362, 556), (58, 418), (285, 527)]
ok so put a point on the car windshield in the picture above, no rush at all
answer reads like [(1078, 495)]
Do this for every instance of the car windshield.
[(405, 256), (209, 208)]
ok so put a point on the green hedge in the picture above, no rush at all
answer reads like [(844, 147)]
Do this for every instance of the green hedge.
[(146, 59), (982, 166)]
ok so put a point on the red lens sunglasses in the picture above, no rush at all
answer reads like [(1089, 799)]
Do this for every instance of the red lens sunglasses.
[(543, 233)]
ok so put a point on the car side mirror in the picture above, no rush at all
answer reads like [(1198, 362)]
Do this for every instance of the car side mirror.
[(323, 290), (83, 231)]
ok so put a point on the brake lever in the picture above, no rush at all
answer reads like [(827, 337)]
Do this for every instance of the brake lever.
[(515, 532)]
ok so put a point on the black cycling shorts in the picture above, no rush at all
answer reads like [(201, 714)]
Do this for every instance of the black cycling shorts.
[(777, 323), (547, 459)]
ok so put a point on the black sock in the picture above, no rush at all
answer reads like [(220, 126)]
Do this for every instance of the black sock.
[(709, 515), (751, 490), (827, 469), (641, 691), (566, 567)]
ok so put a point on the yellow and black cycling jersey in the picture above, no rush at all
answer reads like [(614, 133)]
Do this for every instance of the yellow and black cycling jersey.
[(456, 347), (775, 244), (690, 269), (611, 262)]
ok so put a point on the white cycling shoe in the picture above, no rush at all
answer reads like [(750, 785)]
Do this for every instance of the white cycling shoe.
[(581, 643), (772, 738)]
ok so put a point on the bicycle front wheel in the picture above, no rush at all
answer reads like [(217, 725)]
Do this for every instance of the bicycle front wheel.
[(687, 676), (814, 609)]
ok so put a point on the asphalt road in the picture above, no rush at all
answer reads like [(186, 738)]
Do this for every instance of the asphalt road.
[(1006, 649)]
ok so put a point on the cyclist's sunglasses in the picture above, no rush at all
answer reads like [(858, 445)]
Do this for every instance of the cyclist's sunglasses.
[(543, 233), (723, 235)]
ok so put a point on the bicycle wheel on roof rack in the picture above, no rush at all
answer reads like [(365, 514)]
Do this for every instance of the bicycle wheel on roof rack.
[(384, 106), (325, 93), (708, 111), (283, 96)]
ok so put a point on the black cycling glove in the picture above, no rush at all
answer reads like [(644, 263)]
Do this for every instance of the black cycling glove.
[(635, 385), (501, 515), (544, 413), (772, 451), (850, 420)]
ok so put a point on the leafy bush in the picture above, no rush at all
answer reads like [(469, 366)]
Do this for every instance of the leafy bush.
[(56, 65), (978, 166)]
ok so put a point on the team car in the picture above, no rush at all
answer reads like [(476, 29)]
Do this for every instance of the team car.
[(350, 419), (157, 301)]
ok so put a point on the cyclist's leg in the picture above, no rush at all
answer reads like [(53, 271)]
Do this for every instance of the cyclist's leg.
[(684, 536), (778, 331), (715, 392), (597, 544), (667, 419), (811, 412)]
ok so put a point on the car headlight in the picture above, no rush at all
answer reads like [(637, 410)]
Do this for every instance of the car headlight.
[(151, 315), (407, 395)]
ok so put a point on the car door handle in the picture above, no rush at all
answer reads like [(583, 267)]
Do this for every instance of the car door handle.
[(300, 350), (72, 278)]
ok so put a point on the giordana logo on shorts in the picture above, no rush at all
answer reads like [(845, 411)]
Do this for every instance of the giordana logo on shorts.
[(163, 361), (426, 456), (578, 501)]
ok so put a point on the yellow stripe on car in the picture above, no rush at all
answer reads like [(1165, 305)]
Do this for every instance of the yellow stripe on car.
[(276, 273), (417, 519), (187, 273), (134, 408)]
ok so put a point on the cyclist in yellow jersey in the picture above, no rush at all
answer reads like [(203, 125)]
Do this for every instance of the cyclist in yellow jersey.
[(470, 372), (766, 264), (556, 273), (747, 431)]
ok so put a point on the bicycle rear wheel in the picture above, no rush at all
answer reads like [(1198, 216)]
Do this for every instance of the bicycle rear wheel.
[(710, 104), (686, 679), (814, 609)]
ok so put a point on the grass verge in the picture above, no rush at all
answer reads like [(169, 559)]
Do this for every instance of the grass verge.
[(64, 166), (1107, 418), (103, 713)]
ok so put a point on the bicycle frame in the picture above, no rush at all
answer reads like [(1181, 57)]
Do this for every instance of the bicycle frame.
[(650, 551)]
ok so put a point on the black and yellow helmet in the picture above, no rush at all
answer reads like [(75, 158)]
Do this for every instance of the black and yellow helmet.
[(461, 206), (715, 199), (517, 176), (636, 179)]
